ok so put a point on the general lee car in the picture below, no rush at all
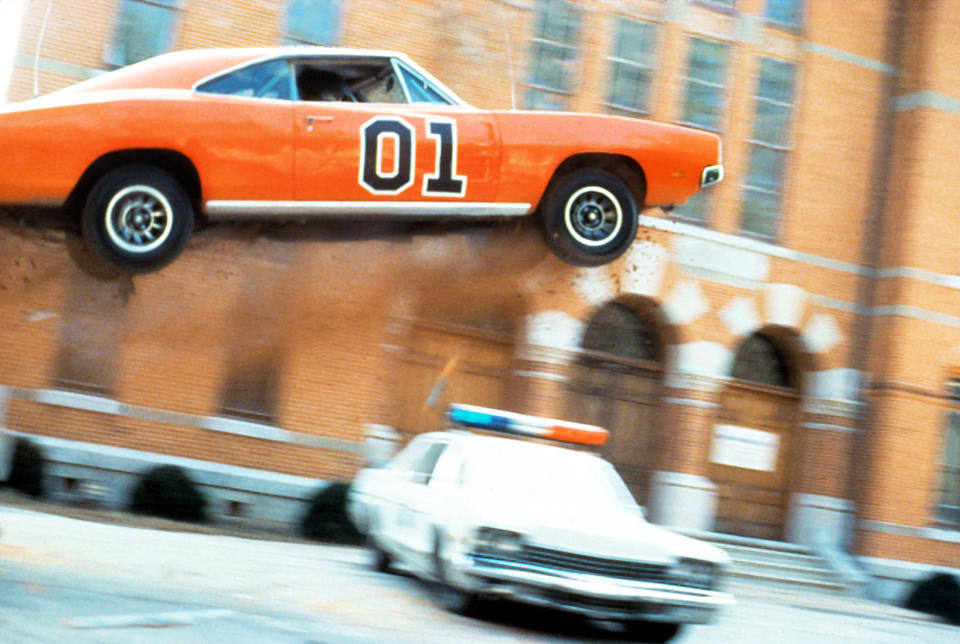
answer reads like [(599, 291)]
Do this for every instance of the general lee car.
[(491, 516), (315, 132)]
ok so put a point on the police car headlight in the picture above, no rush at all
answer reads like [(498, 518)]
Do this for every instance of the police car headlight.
[(695, 573), (503, 543)]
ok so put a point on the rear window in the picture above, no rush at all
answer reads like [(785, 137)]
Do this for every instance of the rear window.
[(272, 79)]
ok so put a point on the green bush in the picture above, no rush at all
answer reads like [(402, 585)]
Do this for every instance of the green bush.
[(326, 518), (26, 468), (166, 491)]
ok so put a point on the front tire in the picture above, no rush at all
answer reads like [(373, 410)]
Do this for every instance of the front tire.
[(448, 595), (382, 561), (655, 632), (137, 218), (589, 217)]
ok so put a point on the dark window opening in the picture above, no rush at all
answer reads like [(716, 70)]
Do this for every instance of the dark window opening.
[(619, 330), (760, 360)]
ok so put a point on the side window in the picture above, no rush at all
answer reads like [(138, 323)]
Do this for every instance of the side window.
[(769, 148), (381, 88), (631, 66), (948, 503), (553, 54), (143, 30), (272, 79), (785, 12), (423, 468), (318, 84), (312, 22)]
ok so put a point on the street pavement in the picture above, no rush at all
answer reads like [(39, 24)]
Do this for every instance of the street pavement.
[(70, 580)]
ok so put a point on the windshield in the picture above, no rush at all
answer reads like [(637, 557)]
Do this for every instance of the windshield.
[(420, 90), (542, 472)]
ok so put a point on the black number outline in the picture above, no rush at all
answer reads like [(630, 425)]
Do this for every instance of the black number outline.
[(444, 180), (405, 138)]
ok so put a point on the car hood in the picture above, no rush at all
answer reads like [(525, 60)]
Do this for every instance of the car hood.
[(612, 532)]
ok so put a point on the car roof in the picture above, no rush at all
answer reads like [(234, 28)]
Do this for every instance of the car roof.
[(183, 69)]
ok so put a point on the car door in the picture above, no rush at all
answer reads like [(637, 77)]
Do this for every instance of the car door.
[(242, 128), (353, 157), (413, 522)]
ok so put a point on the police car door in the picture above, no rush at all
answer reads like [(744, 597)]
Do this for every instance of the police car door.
[(413, 521)]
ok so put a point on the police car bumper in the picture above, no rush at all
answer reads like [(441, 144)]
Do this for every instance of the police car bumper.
[(594, 596)]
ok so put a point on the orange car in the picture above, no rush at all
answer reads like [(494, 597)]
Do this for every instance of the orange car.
[(313, 132)]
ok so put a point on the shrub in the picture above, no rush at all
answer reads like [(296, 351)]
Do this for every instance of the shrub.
[(26, 468), (166, 491), (937, 595), (326, 518)]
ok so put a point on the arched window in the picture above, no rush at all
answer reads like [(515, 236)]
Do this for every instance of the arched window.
[(621, 331), (760, 360), (948, 508)]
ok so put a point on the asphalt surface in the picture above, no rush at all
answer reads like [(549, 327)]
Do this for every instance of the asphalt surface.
[(70, 580)]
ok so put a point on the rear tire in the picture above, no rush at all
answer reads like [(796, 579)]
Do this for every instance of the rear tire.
[(137, 218), (589, 217)]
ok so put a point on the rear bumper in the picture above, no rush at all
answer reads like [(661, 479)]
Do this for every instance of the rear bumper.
[(594, 596)]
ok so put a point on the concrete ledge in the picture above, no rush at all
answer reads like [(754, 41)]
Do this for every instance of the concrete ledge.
[(104, 405), (892, 580), (105, 476)]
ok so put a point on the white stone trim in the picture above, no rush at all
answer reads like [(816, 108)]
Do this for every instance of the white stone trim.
[(741, 316), (932, 534), (785, 304), (691, 402), (684, 501), (685, 303), (102, 405), (701, 366), (552, 337)]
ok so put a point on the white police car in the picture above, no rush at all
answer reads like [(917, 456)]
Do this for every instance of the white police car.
[(490, 516)]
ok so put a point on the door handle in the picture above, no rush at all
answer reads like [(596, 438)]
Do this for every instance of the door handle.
[(311, 120)]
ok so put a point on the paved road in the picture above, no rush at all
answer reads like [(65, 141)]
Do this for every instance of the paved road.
[(65, 580)]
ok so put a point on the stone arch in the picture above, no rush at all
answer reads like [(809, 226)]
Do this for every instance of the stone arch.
[(755, 442), (616, 381)]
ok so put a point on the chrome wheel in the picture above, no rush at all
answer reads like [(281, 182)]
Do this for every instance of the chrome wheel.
[(138, 219), (593, 216)]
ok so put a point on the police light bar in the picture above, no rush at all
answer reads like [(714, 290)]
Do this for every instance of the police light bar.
[(507, 422)]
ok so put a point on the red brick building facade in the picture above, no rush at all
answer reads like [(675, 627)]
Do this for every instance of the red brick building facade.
[(780, 358)]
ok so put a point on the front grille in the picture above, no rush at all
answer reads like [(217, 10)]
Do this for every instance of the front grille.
[(559, 561)]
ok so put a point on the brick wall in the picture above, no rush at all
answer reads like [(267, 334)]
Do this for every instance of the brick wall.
[(326, 297)]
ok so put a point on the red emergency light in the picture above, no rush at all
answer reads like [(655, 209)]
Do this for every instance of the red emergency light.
[(523, 425)]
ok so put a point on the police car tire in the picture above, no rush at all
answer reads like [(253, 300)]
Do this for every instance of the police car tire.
[(656, 632), (382, 561)]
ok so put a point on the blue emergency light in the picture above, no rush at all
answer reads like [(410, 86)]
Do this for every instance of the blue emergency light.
[(523, 425)]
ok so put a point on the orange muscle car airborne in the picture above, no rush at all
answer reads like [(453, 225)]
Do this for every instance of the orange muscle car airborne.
[(317, 132)]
